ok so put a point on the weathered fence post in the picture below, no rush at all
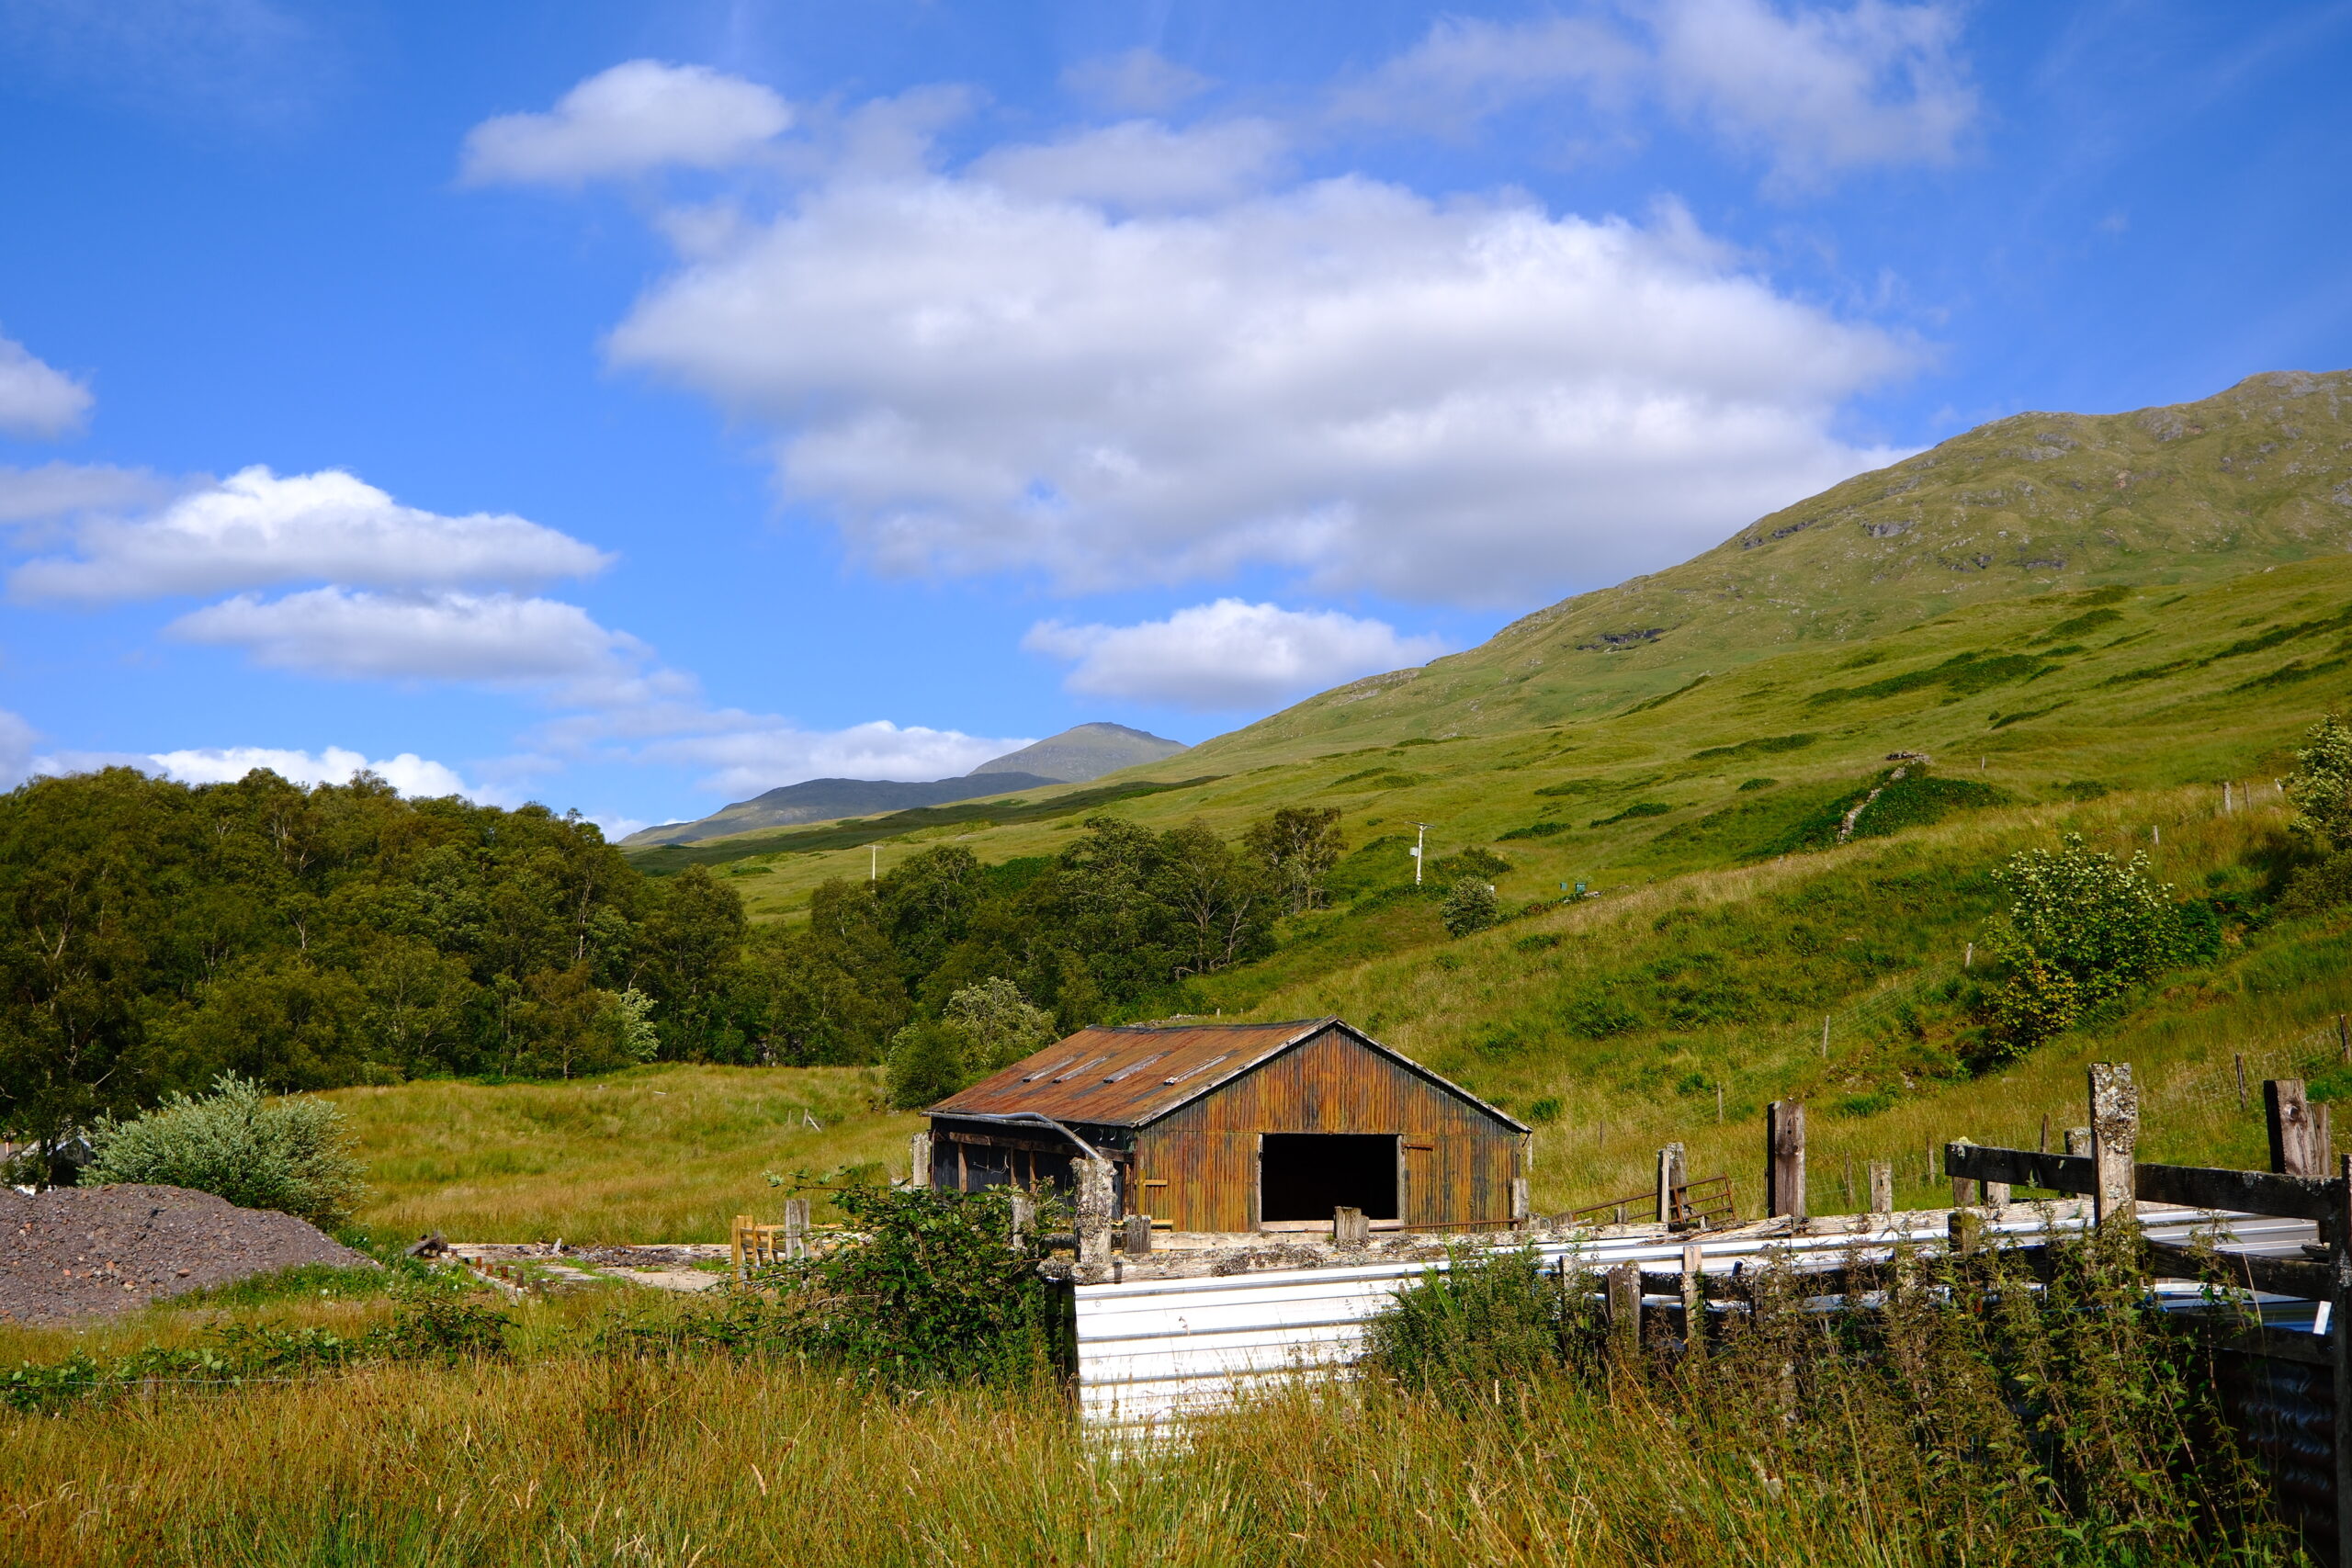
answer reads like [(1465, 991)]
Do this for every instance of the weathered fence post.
[(1966, 1230), (1350, 1228), (796, 1227), (1695, 1300), (2078, 1140), (1960, 1184), (735, 1242), (2115, 1129), (1137, 1240), (1996, 1196), (1672, 1179), (2340, 1310), (1625, 1311), (1094, 1205), (1785, 1158), (1882, 1187), (919, 1160), (2287, 1115)]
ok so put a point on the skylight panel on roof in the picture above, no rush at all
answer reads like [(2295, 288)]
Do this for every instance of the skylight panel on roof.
[(1133, 1068), (1075, 1071), (1205, 1066), (1041, 1072)]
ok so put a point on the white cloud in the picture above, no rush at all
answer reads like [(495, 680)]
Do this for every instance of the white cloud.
[(1473, 401), (638, 116), (1141, 163), (493, 637), (37, 401), (764, 753), (61, 489), (408, 772), (1227, 655), (1820, 88), (255, 529), (1137, 82), (1817, 88)]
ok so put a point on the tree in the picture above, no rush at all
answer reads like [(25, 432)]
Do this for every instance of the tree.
[(687, 944), (1221, 903), (828, 993), (2321, 785), (1298, 845), (926, 1063), (998, 1025)]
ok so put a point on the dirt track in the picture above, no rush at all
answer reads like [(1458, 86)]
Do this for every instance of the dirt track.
[(78, 1252)]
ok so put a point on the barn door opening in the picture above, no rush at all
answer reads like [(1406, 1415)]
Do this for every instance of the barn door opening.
[(1304, 1175)]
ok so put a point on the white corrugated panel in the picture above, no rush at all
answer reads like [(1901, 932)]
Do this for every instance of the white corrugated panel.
[(1152, 1351)]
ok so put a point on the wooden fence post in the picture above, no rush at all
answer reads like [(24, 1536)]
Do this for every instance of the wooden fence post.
[(2115, 1129), (796, 1227), (1695, 1300), (1625, 1311), (1882, 1187), (919, 1160), (735, 1242), (1785, 1158), (2287, 1115), (1350, 1228), (1672, 1179), (2340, 1312), (1137, 1240), (1960, 1184)]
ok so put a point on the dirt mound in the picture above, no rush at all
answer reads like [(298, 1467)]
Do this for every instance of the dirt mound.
[(94, 1251)]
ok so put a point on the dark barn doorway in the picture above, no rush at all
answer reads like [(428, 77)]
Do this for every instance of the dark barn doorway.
[(1304, 1175)]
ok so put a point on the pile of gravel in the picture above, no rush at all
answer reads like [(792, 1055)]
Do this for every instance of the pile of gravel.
[(94, 1251)]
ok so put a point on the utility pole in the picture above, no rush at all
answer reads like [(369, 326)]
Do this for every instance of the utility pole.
[(873, 863), (1421, 841)]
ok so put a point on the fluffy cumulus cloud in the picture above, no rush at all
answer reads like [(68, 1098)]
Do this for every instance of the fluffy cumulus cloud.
[(747, 754), (502, 638), (1141, 163), (35, 400), (1476, 401), (638, 116), (408, 772), (256, 528), (1227, 655)]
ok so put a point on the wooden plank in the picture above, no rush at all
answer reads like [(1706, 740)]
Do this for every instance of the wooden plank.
[(2188, 1186), (2274, 1276)]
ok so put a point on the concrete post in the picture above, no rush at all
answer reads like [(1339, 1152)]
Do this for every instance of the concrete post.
[(919, 1160), (2115, 1130), (1094, 1204)]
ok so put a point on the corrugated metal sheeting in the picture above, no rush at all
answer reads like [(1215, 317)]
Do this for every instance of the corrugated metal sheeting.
[(1150, 1352)]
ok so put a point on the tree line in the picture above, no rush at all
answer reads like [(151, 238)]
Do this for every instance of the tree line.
[(154, 934)]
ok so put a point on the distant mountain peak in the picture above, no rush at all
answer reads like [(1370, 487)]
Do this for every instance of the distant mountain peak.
[(1084, 752)]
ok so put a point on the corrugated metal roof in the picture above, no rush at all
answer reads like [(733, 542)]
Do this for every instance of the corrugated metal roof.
[(1135, 1074)]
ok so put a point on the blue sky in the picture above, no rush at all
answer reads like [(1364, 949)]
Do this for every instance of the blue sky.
[(633, 407)]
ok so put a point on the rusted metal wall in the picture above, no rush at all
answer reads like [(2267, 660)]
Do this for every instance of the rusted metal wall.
[(1457, 1162)]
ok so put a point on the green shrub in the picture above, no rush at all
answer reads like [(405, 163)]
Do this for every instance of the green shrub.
[(291, 1154), (2082, 928), (1487, 1317), (1470, 906), (2321, 785), (933, 1289), (1919, 798), (1546, 1110), (1746, 785), (985, 1026), (1639, 809)]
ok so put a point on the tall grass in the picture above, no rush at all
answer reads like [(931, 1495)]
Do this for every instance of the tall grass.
[(665, 1153)]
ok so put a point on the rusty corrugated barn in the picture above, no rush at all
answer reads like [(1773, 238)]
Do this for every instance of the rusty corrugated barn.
[(1237, 1127)]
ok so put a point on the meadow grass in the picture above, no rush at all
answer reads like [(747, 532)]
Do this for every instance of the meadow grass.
[(664, 1153), (610, 1460)]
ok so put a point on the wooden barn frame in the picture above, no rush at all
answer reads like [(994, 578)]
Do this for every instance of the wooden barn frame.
[(1239, 1127)]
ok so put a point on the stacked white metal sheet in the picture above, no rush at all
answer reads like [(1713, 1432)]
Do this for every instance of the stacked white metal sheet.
[(1150, 1352)]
